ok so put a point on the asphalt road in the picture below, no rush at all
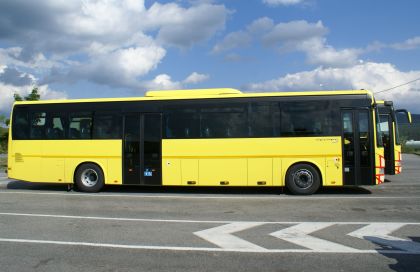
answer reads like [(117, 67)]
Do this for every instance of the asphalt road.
[(46, 228)]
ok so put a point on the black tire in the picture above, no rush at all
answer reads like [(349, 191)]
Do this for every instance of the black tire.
[(89, 178), (303, 179)]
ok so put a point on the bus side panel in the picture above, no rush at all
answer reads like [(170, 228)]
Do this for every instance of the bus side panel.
[(379, 165), (277, 173), (114, 175), (171, 170), (52, 169), (333, 171), (397, 152), (398, 159), (189, 171), (220, 171), (260, 171), (26, 160), (246, 161), (105, 153)]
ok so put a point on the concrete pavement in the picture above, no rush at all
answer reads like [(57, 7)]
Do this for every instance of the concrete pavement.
[(45, 228)]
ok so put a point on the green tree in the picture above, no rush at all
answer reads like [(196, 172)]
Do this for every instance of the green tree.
[(17, 97), (33, 96)]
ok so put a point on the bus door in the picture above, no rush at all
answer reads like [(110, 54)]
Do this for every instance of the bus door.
[(142, 149), (387, 130), (357, 152)]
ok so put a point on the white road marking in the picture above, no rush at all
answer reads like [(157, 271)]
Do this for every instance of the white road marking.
[(379, 233), (182, 220), (299, 235), (222, 236), (207, 249), (206, 196)]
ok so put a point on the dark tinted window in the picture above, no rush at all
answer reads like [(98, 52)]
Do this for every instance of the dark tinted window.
[(364, 137), (20, 124), (57, 124), (264, 119), (182, 123), (306, 118), (227, 121), (37, 125), (80, 125), (106, 125)]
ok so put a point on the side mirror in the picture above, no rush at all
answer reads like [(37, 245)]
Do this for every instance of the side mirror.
[(407, 113)]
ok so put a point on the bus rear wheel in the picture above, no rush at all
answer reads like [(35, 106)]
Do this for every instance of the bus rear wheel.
[(303, 179), (89, 178)]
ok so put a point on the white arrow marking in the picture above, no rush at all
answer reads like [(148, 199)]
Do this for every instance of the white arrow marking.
[(379, 233), (299, 235), (222, 236)]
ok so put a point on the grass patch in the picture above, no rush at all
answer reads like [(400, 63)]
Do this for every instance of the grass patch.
[(3, 140), (3, 163)]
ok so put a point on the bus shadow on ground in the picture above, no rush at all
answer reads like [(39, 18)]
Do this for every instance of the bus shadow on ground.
[(22, 185), (403, 262)]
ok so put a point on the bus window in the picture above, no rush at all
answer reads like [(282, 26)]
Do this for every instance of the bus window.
[(227, 121), (80, 125), (20, 126), (309, 118), (364, 138), (56, 126), (37, 129), (181, 124), (106, 126), (384, 125), (348, 138), (264, 119)]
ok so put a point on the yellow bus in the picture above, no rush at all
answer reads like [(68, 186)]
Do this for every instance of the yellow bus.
[(390, 135), (207, 137)]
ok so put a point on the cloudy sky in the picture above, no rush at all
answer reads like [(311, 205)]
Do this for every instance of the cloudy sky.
[(118, 48)]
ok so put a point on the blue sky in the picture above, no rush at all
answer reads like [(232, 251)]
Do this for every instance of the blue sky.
[(118, 48)]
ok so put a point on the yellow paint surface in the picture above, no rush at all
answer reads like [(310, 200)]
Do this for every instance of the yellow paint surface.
[(56, 160), (243, 162)]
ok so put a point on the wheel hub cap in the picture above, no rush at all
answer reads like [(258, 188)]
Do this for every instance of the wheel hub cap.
[(89, 177), (303, 179)]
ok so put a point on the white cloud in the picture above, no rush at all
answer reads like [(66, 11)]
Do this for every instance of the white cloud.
[(52, 37), (309, 38), (261, 25), (121, 67), (184, 27), (282, 2), (196, 78), (13, 81), (371, 76), (318, 52), (291, 36), (232, 40), (162, 82), (13, 76), (412, 43), (293, 32)]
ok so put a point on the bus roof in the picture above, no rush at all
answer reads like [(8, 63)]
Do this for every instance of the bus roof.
[(201, 94)]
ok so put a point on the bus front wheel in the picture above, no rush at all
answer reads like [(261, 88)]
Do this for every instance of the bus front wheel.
[(303, 179), (89, 178)]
